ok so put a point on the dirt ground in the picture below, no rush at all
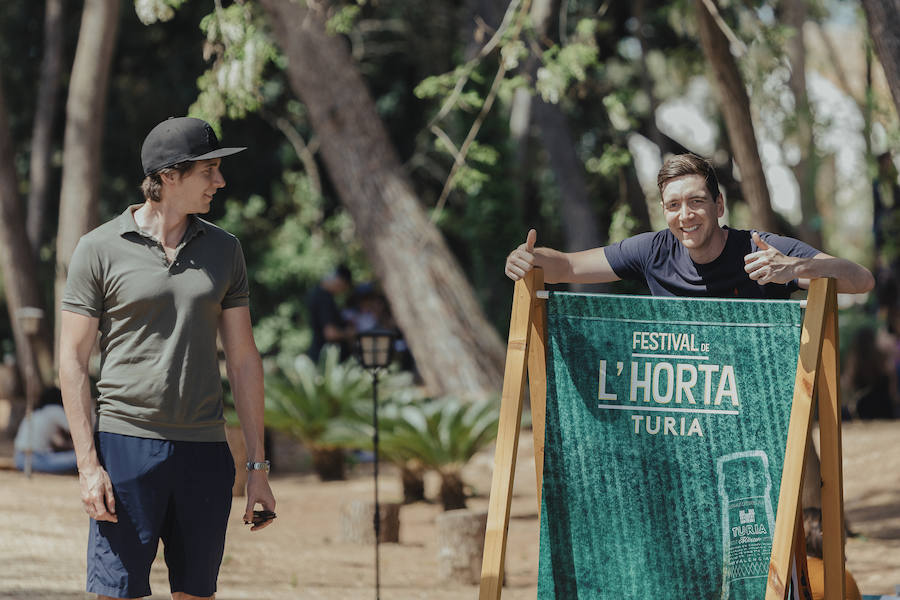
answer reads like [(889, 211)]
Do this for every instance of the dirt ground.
[(43, 534)]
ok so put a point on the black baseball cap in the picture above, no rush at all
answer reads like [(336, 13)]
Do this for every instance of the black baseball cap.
[(179, 139)]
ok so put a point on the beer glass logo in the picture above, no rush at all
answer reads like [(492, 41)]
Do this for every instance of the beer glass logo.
[(748, 521)]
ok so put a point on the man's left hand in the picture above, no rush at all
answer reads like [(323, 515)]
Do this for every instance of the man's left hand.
[(258, 492), (768, 265)]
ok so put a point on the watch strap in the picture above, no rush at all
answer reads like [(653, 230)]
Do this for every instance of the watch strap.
[(259, 466)]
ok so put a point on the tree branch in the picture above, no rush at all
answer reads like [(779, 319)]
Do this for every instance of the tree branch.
[(736, 43)]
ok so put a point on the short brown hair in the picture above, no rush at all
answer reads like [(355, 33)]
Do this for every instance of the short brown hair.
[(151, 187), (688, 164)]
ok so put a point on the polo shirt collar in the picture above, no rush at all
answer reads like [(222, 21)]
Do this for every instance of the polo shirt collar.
[(127, 224)]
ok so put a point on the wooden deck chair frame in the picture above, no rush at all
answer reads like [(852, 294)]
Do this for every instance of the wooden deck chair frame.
[(817, 379)]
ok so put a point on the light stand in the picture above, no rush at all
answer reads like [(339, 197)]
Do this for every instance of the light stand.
[(375, 348), (30, 319)]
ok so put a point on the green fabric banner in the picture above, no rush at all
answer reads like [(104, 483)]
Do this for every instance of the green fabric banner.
[(667, 421)]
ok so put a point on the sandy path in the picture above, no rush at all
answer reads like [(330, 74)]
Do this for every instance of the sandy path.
[(43, 534)]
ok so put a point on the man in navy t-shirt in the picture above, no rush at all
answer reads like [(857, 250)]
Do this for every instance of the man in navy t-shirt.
[(695, 256)]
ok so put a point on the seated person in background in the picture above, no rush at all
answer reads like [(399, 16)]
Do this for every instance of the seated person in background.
[(46, 432), (869, 376), (812, 524), (325, 320)]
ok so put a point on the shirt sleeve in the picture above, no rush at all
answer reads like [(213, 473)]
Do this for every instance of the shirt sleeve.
[(84, 283), (238, 293), (628, 258), (788, 246)]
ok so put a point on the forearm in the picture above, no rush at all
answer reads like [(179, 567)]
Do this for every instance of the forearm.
[(74, 383), (850, 277), (587, 266), (556, 265), (247, 387)]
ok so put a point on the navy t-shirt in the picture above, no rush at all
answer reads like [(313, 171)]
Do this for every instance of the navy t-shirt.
[(665, 264)]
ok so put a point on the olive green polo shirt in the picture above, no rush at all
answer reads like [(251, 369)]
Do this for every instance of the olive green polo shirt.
[(159, 371)]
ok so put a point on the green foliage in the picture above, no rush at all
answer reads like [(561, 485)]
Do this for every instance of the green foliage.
[(290, 242), (317, 403), (233, 87), (344, 19), (563, 65), (590, 61), (607, 164), (152, 11), (442, 433)]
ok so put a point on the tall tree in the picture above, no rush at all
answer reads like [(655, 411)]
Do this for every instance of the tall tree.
[(735, 106), (44, 119), (810, 229), (16, 259), (85, 111), (579, 220), (456, 349), (884, 27)]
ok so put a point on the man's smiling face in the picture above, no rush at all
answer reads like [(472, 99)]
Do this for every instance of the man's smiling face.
[(692, 215), (194, 190)]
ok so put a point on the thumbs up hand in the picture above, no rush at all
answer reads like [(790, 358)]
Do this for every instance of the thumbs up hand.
[(768, 265), (521, 260)]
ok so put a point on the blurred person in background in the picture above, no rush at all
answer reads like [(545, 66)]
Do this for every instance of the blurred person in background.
[(46, 433), (870, 376), (325, 319)]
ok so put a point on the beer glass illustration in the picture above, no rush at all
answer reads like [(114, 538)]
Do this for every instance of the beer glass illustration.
[(748, 521)]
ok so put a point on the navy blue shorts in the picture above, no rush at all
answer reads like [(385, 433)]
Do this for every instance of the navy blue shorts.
[(176, 491)]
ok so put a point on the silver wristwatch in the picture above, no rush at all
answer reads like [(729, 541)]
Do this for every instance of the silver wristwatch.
[(259, 466)]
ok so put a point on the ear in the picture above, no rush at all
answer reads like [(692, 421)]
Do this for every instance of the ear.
[(170, 177), (720, 206)]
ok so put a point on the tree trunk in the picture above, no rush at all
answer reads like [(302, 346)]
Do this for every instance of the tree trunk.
[(42, 133), (460, 545), (85, 112), (638, 9), (412, 476), (453, 492), (456, 349), (635, 196), (358, 522), (806, 169), (579, 220), (17, 261), (884, 27), (735, 106), (328, 463)]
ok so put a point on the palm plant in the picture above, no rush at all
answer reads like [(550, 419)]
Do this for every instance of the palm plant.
[(318, 404), (443, 434), (412, 470)]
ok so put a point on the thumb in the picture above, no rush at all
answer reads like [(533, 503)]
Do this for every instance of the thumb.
[(530, 240), (759, 241)]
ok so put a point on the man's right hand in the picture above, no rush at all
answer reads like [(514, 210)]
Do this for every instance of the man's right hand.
[(521, 260), (97, 494)]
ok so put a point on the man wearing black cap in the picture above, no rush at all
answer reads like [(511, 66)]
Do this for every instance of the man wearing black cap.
[(159, 283)]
